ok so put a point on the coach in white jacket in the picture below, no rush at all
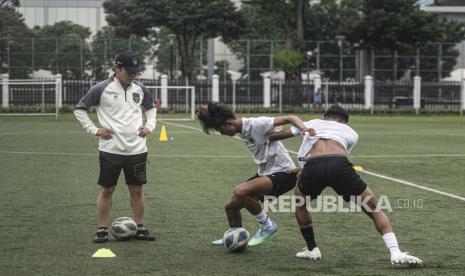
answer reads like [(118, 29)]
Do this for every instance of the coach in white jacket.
[(122, 146)]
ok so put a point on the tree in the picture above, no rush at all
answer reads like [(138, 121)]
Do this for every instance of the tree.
[(450, 33), (393, 24), (396, 25), (9, 3), (289, 60), (62, 48), (14, 42), (330, 18), (326, 21), (106, 45), (258, 26), (189, 20), (289, 14), (288, 20)]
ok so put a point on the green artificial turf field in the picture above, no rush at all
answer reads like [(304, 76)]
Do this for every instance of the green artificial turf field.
[(48, 172)]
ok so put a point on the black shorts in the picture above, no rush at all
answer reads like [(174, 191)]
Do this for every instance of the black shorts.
[(134, 167), (334, 171), (283, 182)]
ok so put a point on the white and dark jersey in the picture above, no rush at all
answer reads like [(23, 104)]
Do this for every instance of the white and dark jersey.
[(120, 111), (270, 156), (330, 130)]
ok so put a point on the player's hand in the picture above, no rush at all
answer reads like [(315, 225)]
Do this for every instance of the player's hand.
[(105, 133), (310, 131), (144, 131)]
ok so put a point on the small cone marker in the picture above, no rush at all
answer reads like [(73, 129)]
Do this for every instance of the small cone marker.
[(104, 253), (163, 135), (358, 168)]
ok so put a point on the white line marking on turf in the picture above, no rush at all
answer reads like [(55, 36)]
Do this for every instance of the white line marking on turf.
[(412, 133), (181, 125), (384, 177), (408, 155), (152, 155), (352, 156), (413, 185)]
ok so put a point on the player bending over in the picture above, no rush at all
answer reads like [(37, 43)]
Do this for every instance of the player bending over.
[(326, 164), (274, 163)]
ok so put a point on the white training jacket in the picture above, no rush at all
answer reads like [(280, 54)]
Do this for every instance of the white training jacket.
[(325, 129), (271, 157), (120, 111)]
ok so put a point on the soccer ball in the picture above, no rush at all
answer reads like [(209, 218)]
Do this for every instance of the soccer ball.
[(123, 228), (236, 239)]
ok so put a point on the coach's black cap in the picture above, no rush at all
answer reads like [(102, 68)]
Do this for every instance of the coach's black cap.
[(129, 61), (338, 111)]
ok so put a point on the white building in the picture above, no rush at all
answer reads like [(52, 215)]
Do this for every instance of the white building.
[(88, 13)]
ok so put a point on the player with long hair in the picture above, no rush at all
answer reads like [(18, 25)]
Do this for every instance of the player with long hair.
[(274, 177)]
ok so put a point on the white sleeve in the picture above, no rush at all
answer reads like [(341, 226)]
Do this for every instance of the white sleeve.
[(263, 125), (296, 131), (151, 119), (86, 122)]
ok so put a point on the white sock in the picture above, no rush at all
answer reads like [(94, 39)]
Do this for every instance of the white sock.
[(264, 220), (391, 243)]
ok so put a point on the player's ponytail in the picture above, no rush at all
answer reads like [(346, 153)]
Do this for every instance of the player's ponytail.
[(213, 116)]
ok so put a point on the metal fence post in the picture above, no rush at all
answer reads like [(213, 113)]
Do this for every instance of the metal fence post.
[(326, 94), (280, 95), (271, 56), (234, 95), (368, 84), (316, 83), (215, 88), (58, 92), (462, 97), (417, 94), (5, 91), (164, 91), (266, 92)]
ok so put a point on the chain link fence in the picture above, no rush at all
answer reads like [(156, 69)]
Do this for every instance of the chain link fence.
[(334, 60)]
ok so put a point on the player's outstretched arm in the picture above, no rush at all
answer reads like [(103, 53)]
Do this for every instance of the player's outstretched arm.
[(287, 133), (280, 135), (289, 119)]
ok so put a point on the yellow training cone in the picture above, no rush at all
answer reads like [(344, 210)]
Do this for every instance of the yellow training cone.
[(163, 136), (104, 253), (358, 168)]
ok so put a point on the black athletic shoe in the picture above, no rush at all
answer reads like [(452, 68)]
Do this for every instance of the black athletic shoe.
[(101, 235), (144, 234)]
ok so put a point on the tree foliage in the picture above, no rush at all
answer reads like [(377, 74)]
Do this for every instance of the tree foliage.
[(62, 48), (105, 45), (9, 3), (393, 24), (14, 41), (330, 18), (189, 20), (288, 14), (396, 25), (289, 61), (387, 26), (257, 27)]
